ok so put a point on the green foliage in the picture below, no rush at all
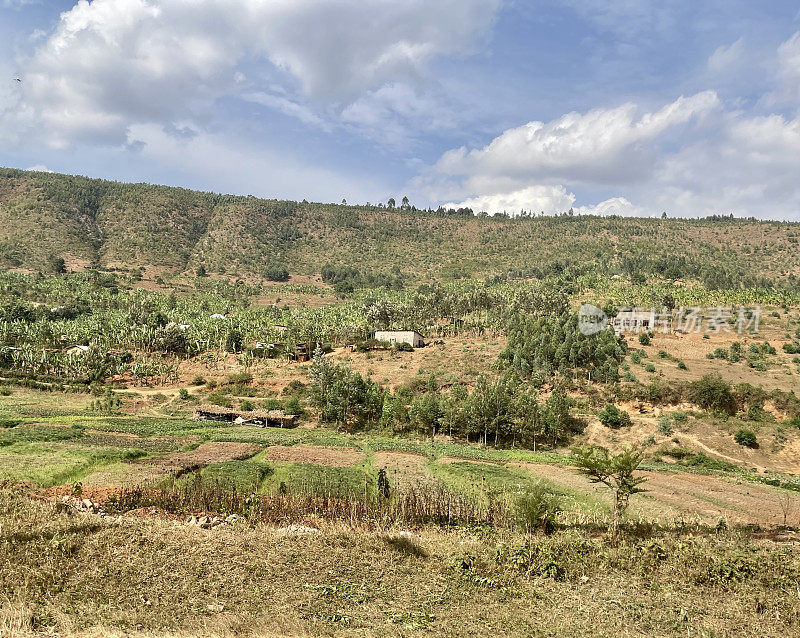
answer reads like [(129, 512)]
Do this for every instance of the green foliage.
[(276, 272), (712, 392), (536, 509), (644, 339), (665, 426), (746, 438), (615, 471), (553, 344), (612, 417)]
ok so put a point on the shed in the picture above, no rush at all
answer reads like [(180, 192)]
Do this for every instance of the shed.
[(258, 418), (411, 337)]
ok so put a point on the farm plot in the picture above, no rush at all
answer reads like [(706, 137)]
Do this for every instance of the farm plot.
[(404, 467), (152, 469), (697, 496), (315, 455)]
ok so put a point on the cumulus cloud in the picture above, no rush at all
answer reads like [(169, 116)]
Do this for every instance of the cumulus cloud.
[(745, 164), (539, 198), (602, 146), (110, 64)]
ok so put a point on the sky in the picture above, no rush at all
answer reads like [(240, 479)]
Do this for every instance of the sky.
[(626, 107)]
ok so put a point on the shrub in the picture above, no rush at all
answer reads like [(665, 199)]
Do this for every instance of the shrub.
[(293, 407), (650, 368), (682, 366), (664, 426), (791, 348), (644, 339), (240, 378), (712, 392), (183, 393), (276, 272), (746, 438), (612, 417), (198, 380), (5, 391), (246, 406), (536, 509)]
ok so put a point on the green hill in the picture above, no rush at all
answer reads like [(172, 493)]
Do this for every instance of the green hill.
[(97, 223)]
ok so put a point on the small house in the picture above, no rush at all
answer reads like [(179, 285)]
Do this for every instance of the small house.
[(633, 320), (411, 337)]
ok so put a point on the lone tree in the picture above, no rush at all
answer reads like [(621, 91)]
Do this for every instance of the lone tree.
[(614, 471)]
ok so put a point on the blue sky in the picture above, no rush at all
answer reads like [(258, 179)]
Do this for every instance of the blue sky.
[(628, 107)]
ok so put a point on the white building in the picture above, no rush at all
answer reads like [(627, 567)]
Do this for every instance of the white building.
[(411, 337)]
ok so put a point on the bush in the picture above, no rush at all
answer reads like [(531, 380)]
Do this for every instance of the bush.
[(246, 406), (712, 392), (664, 426), (650, 368), (5, 391), (536, 509), (198, 380), (293, 407), (276, 272), (746, 438), (240, 378), (791, 348), (612, 417), (682, 366), (183, 393), (644, 339)]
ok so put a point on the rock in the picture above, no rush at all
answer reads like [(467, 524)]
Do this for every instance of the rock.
[(192, 520), (231, 519), (65, 499), (87, 504), (204, 522)]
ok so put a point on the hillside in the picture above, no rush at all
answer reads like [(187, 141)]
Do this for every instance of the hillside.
[(167, 230)]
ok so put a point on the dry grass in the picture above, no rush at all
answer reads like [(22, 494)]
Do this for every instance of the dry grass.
[(71, 574)]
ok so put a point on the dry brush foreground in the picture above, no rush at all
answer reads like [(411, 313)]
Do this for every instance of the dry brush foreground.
[(65, 573)]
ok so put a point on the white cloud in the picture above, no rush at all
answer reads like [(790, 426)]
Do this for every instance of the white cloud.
[(739, 163), (789, 67), (110, 64), (603, 146), (726, 56), (40, 168), (548, 199)]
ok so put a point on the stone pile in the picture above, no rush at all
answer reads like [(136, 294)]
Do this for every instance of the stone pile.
[(84, 505), (210, 522)]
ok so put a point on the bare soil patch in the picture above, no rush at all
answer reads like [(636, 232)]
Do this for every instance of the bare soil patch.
[(403, 466), (205, 454), (333, 457)]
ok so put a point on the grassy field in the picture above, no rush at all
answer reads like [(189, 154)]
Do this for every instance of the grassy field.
[(77, 574)]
